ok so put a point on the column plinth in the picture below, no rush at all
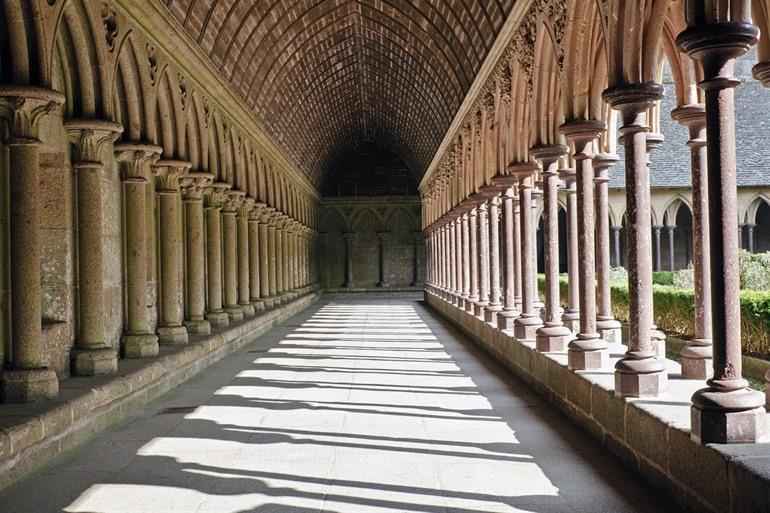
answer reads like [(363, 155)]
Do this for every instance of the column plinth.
[(193, 186), (26, 377), (640, 372), (91, 356), (608, 327), (726, 411), (215, 196), (527, 323), (553, 335)]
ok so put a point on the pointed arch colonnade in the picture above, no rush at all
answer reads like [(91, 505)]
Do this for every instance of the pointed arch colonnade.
[(185, 216), (570, 74)]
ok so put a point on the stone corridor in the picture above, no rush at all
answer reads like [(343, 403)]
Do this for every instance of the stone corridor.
[(350, 406)]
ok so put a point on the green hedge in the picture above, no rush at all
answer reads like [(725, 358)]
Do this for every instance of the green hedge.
[(675, 313), (663, 278)]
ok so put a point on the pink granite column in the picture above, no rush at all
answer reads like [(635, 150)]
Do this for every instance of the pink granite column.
[(606, 325), (553, 335), (483, 255), (727, 410), (466, 257), (458, 259), (473, 231), (507, 316), (526, 325), (571, 315), (517, 250), (640, 372), (495, 304), (697, 354)]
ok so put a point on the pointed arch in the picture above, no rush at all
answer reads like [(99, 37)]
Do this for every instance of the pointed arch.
[(132, 98), (364, 215), (405, 214)]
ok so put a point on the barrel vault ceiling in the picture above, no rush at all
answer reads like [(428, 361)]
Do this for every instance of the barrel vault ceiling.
[(324, 75)]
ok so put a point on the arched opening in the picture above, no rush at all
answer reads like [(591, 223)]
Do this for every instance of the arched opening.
[(683, 239), (762, 229)]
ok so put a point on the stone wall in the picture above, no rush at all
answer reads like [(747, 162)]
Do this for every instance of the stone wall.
[(360, 225)]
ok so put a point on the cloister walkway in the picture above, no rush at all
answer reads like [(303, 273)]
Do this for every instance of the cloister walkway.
[(351, 406)]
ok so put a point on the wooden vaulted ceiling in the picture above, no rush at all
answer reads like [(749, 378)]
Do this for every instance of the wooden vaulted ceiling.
[(324, 75)]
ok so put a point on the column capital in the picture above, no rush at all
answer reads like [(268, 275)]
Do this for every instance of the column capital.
[(246, 207), (582, 131), (168, 172), (256, 211), (215, 194), (548, 154), (602, 164), (505, 182), (522, 169), (490, 191), (265, 215), (88, 137), (194, 184), (348, 236), (693, 116), (23, 107), (135, 160), (569, 177), (233, 201), (714, 42)]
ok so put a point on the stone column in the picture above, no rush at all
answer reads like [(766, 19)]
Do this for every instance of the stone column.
[(495, 303), (135, 159), (517, 272), (571, 315), (526, 325), (606, 325), (244, 271), (639, 373), (230, 254), (91, 355), (215, 196), (697, 354), (616, 236), (750, 227), (266, 282), (381, 239), (553, 335), (167, 174), (670, 229), (465, 259), (726, 410), (193, 185), (255, 258), (473, 230), (740, 235), (657, 229), (349, 237), (483, 255), (26, 376), (452, 261), (280, 253), (419, 238), (457, 256), (507, 316), (537, 192)]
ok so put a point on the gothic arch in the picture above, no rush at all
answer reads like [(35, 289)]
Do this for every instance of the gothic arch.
[(364, 215), (332, 220), (749, 215), (131, 93), (195, 137), (548, 112), (393, 217), (673, 207), (170, 120)]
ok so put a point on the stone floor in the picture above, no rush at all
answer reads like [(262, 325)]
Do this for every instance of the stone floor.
[(351, 406)]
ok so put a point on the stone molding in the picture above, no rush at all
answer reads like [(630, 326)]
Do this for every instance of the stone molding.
[(88, 138), (194, 184), (23, 108), (135, 160), (168, 174)]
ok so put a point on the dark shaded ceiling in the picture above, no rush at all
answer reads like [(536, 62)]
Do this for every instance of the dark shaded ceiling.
[(325, 75), (368, 170)]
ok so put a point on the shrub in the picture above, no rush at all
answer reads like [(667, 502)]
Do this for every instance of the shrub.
[(618, 276), (663, 278), (684, 278), (755, 271)]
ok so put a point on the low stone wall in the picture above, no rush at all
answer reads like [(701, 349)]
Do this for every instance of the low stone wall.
[(651, 435), (33, 434)]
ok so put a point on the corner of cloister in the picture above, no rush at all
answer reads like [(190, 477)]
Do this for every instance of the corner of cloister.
[(360, 255)]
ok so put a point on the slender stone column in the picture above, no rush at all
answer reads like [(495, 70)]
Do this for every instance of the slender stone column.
[(616, 240), (483, 253), (553, 335), (215, 196), (517, 270), (452, 256), (26, 377), (697, 354), (280, 254), (465, 259), (381, 239), (526, 325), (265, 294), (670, 229), (167, 174), (230, 254), (244, 267), (740, 235), (495, 303), (91, 355), (135, 159), (349, 237), (571, 315), (750, 234), (726, 410), (507, 316), (606, 325), (458, 259), (537, 192), (255, 252), (419, 238), (657, 228), (473, 230), (293, 258), (193, 185), (639, 373)]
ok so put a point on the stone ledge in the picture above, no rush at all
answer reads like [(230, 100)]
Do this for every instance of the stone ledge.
[(33, 434), (651, 435)]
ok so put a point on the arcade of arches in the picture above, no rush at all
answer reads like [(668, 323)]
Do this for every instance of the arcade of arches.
[(179, 178)]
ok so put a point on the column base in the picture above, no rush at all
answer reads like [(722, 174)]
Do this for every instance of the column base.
[(697, 361), (100, 361), (259, 305), (609, 330), (140, 346), (505, 320), (198, 327), (491, 312), (571, 320), (478, 309), (218, 319), (728, 417), (234, 313), (659, 343), (470, 305), (26, 386), (552, 339), (248, 310), (526, 325), (172, 335), (587, 353)]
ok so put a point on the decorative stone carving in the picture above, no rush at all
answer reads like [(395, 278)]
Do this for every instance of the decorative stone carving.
[(110, 23)]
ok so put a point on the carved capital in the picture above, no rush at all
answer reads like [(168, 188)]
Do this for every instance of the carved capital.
[(88, 137), (215, 194), (168, 172), (246, 206), (22, 108), (233, 201), (135, 160), (194, 184)]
